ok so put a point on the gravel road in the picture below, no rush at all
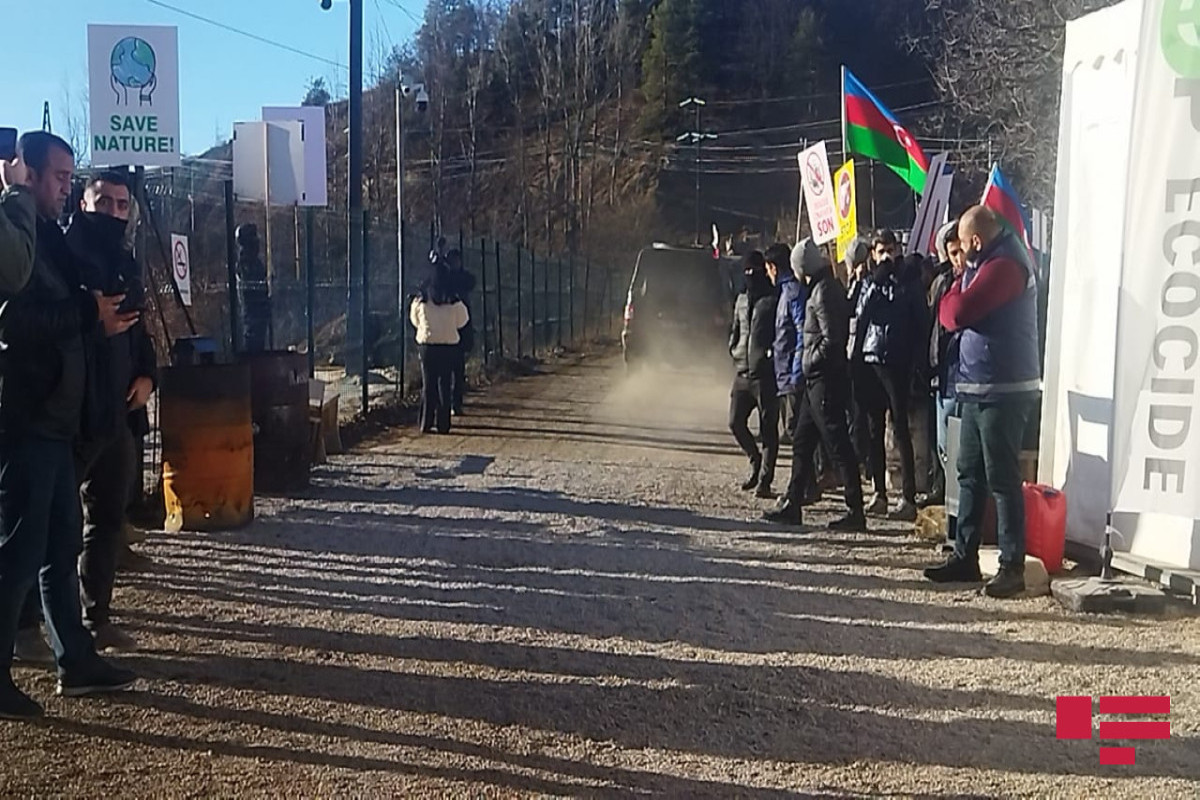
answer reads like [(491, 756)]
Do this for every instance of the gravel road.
[(568, 596)]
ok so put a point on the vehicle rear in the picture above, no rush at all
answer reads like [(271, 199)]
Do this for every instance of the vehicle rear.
[(678, 310)]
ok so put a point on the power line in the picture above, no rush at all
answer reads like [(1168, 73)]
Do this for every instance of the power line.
[(409, 14), (261, 39), (814, 96)]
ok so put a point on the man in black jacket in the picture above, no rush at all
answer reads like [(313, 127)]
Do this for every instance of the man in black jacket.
[(126, 368), (45, 403), (822, 414), (754, 387)]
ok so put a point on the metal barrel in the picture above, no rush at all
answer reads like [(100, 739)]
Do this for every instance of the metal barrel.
[(208, 447), (279, 408)]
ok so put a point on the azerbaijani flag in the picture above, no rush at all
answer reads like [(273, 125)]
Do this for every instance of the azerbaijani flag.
[(1001, 197), (872, 131)]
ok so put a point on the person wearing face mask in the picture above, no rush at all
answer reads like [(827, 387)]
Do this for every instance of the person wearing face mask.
[(754, 386), (891, 326), (48, 399), (127, 370), (825, 398), (943, 354), (993, 309)]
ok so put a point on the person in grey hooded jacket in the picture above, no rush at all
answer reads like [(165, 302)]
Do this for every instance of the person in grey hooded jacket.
[(823, 406)]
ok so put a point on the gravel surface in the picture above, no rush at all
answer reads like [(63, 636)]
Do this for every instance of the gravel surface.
[(568, 596)]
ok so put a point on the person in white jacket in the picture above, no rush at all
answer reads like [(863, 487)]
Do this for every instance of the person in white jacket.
[(438, 315)]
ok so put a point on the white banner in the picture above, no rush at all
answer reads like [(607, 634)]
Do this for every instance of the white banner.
[(1096, 111), (315, 190), (133, 95), (934, 210), (181, 267), (1156, 428), (818, 193)]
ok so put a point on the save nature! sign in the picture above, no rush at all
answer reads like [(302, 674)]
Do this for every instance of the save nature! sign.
[(133, 94)]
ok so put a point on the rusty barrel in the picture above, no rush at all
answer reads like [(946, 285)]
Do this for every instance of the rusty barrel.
[(279, 407), (208, 447)]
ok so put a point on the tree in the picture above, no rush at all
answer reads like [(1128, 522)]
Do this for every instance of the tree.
[(671, 64), (317, 93)]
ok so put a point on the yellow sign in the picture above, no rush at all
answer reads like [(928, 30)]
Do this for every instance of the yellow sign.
[(847, 208)]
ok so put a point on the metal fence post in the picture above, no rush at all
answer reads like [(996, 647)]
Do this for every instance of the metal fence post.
[(520, 350), (235, 325), (402, 299), (499, 305), (533, 299), (366, 360), (558, 327), (484, 298), (571, 295), (587, 284), (310, 290)]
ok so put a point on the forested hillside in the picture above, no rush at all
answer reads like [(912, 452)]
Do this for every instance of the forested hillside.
[(554, 122)]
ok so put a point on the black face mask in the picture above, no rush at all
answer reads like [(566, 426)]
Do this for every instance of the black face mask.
[(110, 229), (758, 284)]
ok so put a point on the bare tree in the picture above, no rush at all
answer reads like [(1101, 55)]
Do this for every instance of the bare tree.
[(74, 119)]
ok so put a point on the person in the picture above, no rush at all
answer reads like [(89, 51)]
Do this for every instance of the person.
[(993, 307), (439, 316), (106, 460), (462, 283), (858, 257), (44, 395), (942, 356), (754, 386), (787, 351), (892, 321), (105, 465), (823, 405)]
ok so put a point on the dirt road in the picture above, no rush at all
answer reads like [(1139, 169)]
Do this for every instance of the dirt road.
[(568, 596)]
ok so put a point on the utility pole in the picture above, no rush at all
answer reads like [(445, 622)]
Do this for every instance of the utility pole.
[(696, 136), (355, 324)]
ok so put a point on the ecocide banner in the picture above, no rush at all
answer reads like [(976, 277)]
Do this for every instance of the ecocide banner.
[(1156, 430), (133, 92)]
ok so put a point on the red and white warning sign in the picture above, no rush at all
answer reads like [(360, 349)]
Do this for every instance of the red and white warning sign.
[(818, 193), (181, 267)]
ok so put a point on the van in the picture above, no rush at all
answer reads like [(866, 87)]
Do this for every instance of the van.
[(679, 309)]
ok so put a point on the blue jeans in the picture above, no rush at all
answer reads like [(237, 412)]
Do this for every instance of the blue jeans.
[(989, 458), (946, 407), (41, 536)]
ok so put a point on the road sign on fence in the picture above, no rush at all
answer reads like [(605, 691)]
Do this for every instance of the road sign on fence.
[(181, 267)]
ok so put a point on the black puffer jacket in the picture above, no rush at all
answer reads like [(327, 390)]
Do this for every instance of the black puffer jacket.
[(893, 319), (97, 243), (753, 336), (47, 380), (826, 328)]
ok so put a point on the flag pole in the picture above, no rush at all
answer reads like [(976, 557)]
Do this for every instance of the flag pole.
[(845, 148)]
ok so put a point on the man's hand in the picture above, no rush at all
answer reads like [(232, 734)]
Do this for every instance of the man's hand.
[(139, 393), (13, 173), (114, 322)]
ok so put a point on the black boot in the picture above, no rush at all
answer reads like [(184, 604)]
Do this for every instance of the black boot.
[(854, 522), (764, 487), (955, 570), (1009, 582), (15, 704), (785, 513), (752, 480)]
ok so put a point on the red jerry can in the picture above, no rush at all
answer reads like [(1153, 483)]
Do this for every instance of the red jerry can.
[(1045, 524)]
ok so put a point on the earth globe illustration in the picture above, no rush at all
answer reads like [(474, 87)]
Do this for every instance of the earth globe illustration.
[(133, 63)]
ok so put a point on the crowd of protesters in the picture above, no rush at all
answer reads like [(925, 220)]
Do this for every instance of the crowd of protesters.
[(844, 360), (77, 369)]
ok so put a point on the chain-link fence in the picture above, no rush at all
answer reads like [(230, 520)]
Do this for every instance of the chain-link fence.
[(525, 305)]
